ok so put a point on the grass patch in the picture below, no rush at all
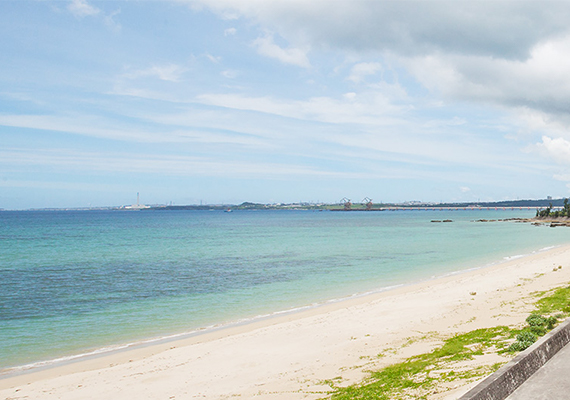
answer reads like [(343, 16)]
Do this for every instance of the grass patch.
[(417, 376), (420, 373), (556, 305), (557, 302)]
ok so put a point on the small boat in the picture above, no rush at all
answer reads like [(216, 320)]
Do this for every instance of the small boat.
[(228, 210)]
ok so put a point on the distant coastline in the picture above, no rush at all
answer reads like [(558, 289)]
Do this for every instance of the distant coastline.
[(347, 205), (370, 206)]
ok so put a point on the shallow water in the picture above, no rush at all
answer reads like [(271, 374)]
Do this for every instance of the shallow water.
[(76, 281)]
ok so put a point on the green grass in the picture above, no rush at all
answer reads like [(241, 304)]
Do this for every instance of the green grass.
[(419, 373), (557, 302), (417, 376)]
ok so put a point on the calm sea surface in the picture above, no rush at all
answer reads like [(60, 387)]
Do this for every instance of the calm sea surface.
[(74, 282)]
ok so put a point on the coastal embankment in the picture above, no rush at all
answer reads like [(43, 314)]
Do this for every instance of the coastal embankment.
[(299, 355)]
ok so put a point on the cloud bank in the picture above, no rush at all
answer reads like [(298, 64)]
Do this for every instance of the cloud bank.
[(505, 54)]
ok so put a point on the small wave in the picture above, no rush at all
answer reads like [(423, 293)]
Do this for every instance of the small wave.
[(509, 258), (96, 352), (548, 248), (362, 294), (47, 363)]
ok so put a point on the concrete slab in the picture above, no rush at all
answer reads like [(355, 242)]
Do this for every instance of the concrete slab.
[(552, 381)]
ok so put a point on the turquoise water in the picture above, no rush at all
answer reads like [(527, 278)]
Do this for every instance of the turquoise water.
[(73, 282)]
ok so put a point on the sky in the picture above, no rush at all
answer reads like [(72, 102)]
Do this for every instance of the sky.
[(190, 102)]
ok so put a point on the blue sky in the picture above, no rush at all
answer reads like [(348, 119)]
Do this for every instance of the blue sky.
[(282, 101)]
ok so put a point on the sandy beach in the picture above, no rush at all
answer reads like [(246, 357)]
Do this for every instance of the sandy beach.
[(290, 356)]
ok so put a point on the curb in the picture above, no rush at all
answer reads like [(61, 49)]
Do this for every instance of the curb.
[(499, 385)]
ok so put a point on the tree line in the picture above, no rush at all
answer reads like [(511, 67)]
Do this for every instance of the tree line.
[(548, 213)]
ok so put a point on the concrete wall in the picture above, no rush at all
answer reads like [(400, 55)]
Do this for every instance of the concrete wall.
[(506, 380)]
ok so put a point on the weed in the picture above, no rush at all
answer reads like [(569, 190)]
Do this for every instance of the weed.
[(414, 373), (551, 322), (538, 325), (536, 320), (525, 339)]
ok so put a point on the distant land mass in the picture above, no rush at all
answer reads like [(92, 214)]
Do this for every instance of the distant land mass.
[(345, 205), (363, 206)]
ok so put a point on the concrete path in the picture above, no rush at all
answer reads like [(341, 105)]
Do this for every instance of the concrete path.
[(550, 382)]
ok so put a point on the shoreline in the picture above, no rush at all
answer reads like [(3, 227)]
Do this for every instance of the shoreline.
[(112, 349), (332, 338)]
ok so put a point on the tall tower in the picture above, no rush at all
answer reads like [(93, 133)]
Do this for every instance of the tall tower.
[(138, 199)]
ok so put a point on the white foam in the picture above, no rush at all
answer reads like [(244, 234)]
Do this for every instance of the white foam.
[(548, 248), (96, 352)]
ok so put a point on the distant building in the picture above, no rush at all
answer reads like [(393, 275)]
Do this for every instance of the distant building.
[(137, 206), (548, 197)]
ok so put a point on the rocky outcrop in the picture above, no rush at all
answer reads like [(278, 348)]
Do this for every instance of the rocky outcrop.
[(552, 222)]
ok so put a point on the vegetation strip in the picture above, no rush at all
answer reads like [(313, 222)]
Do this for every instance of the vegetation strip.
[(548, 213), (418, 376)]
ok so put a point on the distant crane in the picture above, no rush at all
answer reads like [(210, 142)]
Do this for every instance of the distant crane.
[(346, 203), (367, 202)]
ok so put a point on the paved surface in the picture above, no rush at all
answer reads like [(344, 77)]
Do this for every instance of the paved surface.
[(550, 382)]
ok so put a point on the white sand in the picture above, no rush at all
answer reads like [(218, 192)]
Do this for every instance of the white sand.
[(288, 357)]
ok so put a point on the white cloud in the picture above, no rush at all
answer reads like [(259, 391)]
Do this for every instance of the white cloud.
[(97, 127), (61, 185), (557, 149), (230, 32), (455, 121), (230, 74), (111, 23), (360, 71), (503, 29), (82, 125), (294, 56), (170, 72), (535, 82), (562, 177), (214, 59), (535, 91), (80, 8), (367, 108), (335, 127), (504, 54), (367, 122), (464, 189), (349, 96), (64, 159)]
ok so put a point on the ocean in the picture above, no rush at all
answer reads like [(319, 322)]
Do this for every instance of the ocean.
[(81, 282)]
